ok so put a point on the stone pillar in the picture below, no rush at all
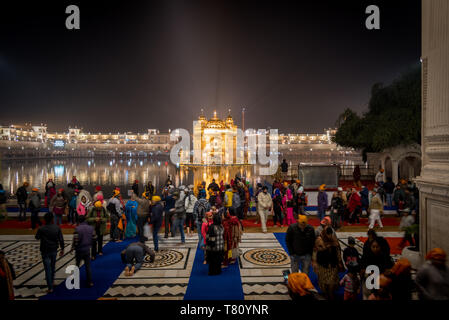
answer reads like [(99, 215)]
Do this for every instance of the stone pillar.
[(434, 179), (395, 170)]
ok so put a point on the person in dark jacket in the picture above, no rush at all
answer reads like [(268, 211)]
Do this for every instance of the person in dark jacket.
[(350, 253), (22, 195), (156, 217), (213, 185), (389, 190), (364, 198), (377, 255), (149, 189), (83, 238), (98, 219), (169, 205), (35, 208), (300, 240), (50, 236), (133, 256), (135, 187), (7, 276)]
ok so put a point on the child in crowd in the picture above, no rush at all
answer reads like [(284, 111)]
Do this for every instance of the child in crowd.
[(350, 253), (351, 281), (73, 215)]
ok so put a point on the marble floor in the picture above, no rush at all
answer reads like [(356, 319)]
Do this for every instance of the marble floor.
[(261, 264)]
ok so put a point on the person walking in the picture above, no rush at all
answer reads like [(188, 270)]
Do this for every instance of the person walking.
[(189, 205), (200, 209), (115, 212), (389, 190), (57, 206), (380, 177), (215, 246), (277, 208), (131, 217), (135, 187), (22, 195), (156, 218), (288, 204), (35, 208), (351, 282), (284, 169), (327, 262), (354, 207), (143, 212), (73, 214), (356, 174), (300, 240), (375, 210), (432, 279), (179, 216), (149, 189), (50, 237), (97, 218), (133, 256), (322, 202), (83, 238), (265, 206), (3, 201), (337, 210), (169, 211)]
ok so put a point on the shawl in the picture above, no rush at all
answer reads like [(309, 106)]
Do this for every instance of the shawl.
[(5, 271)]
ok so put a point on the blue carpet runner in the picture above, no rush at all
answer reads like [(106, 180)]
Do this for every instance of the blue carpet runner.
[(226, 286), (105, 270), (312, 275)]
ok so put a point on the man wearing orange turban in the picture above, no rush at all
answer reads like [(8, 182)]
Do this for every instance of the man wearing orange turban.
[(432, 280), (299, 284)]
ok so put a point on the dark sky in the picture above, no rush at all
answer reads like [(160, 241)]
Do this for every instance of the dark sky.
[(294, 65)]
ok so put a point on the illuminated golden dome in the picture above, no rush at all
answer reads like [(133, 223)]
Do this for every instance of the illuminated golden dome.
[(215, 123), (229, 121)]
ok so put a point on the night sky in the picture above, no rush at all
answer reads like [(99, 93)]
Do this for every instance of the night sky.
[(134, 65)]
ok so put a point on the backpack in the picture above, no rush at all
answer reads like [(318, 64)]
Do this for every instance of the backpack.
[(201, 209), (236, 201), (111, 208), (35, 200), (2, 197)]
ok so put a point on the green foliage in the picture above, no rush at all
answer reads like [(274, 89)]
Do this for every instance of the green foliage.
[(393, 117)]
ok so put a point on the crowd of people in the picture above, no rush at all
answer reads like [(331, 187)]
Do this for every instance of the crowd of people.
[(215, 212), (320, 251)]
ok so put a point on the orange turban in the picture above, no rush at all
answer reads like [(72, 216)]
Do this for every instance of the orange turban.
[(322, 187), (436, 254), (401, 266), (384, 281), (302, 218), (326, 221), (299, 283)]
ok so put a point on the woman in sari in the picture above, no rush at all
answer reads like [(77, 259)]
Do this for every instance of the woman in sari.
[(327, 262), (131, 218)]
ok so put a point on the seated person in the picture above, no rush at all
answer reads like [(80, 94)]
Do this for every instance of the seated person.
[(136, 251), (300, 288)]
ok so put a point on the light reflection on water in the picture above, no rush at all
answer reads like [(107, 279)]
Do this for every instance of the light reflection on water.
[(111, 172)]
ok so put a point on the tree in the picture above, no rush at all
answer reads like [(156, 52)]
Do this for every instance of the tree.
[(393, 117)]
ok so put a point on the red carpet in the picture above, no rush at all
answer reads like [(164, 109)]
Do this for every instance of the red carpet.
[(15, 224), (388, 221), (393, 242)]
